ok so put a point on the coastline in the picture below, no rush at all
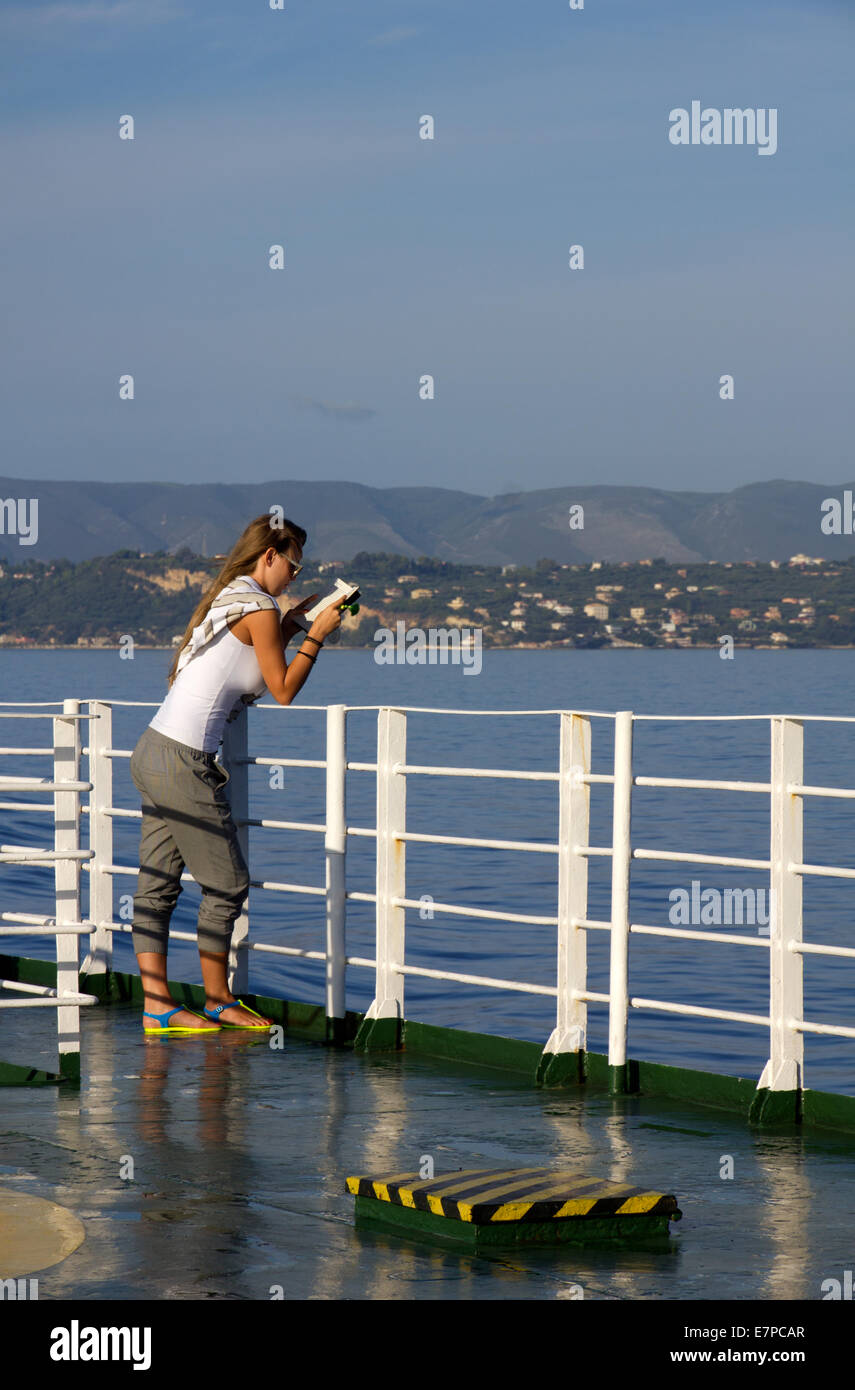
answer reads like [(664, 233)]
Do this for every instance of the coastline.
[(504, 647)]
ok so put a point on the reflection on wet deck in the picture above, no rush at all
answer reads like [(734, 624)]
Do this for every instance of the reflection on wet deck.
[(240, 1152)]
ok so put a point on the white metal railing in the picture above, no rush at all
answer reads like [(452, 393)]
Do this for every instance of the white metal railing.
[(66, 857), (785, 789)]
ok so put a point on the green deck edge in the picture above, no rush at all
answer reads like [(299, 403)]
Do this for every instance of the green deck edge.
[(403, 1221), (587, 1071), (13, 1075)]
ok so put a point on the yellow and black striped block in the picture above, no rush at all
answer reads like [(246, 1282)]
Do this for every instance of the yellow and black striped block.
[(510, 1199)]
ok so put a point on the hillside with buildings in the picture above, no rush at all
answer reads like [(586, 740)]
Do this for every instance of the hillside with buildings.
[(803, 602)]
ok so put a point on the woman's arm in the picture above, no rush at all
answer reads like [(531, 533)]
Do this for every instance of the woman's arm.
[(282, 679)]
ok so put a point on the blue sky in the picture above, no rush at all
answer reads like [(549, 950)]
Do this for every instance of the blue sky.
[(406, 257)]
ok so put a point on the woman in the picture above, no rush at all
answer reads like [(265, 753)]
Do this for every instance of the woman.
[(234, 646)]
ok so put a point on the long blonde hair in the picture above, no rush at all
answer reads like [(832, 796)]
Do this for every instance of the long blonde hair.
[(258, 537)]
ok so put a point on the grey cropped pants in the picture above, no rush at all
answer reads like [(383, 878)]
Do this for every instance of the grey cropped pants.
[(186, 822)]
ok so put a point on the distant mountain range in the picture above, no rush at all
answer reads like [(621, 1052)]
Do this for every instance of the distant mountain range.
[(764, 521)]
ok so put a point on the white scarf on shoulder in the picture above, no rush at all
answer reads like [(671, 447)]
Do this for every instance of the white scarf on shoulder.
[(240, 597)]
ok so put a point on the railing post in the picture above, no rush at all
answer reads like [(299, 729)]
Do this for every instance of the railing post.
[(234, 754), (779, 1088), (66, 768), (335, 846), (563, 1056), (381, 1027), (619, 1080), (99, 961)]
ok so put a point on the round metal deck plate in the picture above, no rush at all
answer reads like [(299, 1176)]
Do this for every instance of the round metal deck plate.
[(35, 1234)]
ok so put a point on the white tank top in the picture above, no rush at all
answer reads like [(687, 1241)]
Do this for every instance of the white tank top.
[(204, 694)]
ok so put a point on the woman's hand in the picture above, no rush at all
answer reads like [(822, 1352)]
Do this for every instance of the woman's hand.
[(289, 627), (326, 622)]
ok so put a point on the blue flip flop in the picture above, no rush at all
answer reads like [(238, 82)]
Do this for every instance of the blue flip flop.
[(163, 1022), (214, 1016)]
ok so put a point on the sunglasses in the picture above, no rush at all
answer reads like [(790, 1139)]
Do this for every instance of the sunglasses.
[(295, 569)]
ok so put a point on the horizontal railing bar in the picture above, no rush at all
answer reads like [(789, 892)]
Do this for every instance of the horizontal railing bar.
[(33, 919), (593, 851), (643, 930), (127, 928), (709, 718), (361, 767), (589, 996), (273, 887), (281, 950), (281, 824), (46, 752), (822, 1029), (485, 980), (64, 930), (365, 830), (703, 784), (262, 946), (46, 806), (128, 704), (356, 897), (467, 713), (724, 859), (48, 991), (479, 844), (821, 870), (811, 949), (429, 771), (458, 911), (696, 1011), (800, 789), (60, 1003), (41, 856), (41, 784), (504, 713), (132, 869), (59, 715), (280, 762)]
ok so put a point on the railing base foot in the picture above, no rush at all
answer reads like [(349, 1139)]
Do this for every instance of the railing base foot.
[(69, 1066), (775, 1107), (378, 1035), (103, 984), (560, 1069), (623, 1079), (337, 1034)]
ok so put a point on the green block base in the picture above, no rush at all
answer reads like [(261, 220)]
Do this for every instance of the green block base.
[(11, 1074), (373, 1214), (560, 1069), (776, 1108), (624, 1080), (378, 1035), (69, 1066)]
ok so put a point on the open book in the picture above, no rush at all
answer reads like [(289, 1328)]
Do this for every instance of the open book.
[(342, 596)]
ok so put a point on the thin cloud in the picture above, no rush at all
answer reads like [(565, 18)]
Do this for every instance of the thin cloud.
[(348, 411), (43, 19), (391, 36)]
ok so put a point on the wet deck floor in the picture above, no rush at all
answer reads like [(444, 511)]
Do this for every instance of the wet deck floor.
[(240, 1153)]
